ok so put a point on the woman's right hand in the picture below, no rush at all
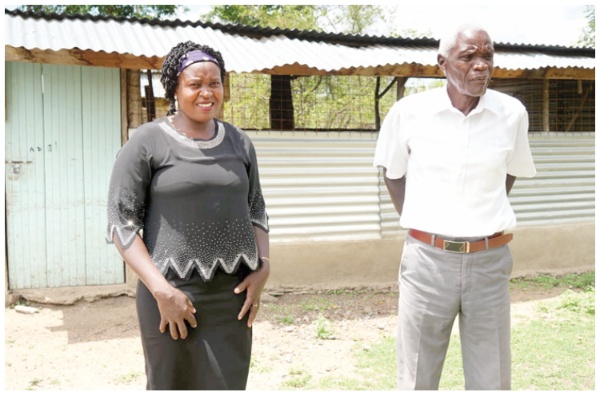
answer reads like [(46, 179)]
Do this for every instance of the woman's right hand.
[(175, 309), (174, 306)]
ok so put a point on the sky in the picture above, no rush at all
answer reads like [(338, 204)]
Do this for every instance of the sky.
[(547, 23), (533, 24)]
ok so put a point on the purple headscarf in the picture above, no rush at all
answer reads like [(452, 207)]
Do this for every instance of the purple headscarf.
[(193, 57)]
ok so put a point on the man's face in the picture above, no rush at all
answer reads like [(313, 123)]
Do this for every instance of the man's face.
[(469, 66)]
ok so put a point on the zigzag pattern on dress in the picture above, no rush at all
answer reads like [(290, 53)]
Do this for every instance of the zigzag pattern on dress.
[(205, 272), (125, 235)]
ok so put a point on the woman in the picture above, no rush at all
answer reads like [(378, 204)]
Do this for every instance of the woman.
[(191, 183)]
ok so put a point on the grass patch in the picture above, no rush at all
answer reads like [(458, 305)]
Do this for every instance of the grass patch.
[(324, 328), (298, 379), (259, 368), (285, 319), (546, 281), (376, 362), (282, 314), (34, 383), (555, 350), (319, 304), (126, 379)]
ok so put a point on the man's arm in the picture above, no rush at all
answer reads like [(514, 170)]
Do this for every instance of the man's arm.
[(510, 180), (396, 188)]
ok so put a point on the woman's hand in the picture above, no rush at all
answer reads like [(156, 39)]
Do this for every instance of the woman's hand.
[(175, 308), (254, 285)]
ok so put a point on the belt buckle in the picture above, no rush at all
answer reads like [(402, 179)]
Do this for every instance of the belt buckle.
[(457, 247)]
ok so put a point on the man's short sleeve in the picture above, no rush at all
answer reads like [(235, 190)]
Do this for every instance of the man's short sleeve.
[(391, 151), (521, 161)]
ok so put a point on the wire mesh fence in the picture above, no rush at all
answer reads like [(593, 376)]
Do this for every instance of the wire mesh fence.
[(360, 103)]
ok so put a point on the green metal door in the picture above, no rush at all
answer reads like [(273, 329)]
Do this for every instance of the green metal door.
[(62, 134)]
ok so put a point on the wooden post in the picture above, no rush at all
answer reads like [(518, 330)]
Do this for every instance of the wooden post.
[(124, 107), (226, 95), (546, 105), (150, 101), (578, 111), (134, 99), (401, 87), (377, 97)]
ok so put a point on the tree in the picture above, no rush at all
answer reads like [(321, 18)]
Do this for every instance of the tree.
[(281, 106), (588, 37), (140, 11), (356, 19), (274, 98), (267, 16)]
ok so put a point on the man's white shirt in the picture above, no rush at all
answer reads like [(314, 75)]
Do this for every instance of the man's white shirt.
[(456, 165)]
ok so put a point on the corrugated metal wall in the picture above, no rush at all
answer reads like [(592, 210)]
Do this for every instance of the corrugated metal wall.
[(319, 186), (322, 186), (564, 188)]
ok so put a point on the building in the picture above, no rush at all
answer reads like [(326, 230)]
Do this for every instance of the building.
[(73, 97)]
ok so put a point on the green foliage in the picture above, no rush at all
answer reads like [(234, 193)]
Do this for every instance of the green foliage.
[(579, 302), (139, 10), (320, 101), (249, 105), (324, 328), (355, 19), (338, 102), (588, 36), (271, 16), (351, 19), (285, 319)]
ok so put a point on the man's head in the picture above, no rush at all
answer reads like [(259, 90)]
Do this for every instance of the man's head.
[(466, 55)]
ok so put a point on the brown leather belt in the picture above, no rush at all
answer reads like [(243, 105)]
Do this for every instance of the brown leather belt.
[(496, 240)]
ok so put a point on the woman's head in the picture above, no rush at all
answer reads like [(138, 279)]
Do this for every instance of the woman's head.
[(182, 56)]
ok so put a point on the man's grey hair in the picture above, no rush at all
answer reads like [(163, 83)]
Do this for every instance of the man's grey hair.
[(449, 38)]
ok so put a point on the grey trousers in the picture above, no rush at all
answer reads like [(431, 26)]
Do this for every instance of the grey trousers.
[(436, 286)]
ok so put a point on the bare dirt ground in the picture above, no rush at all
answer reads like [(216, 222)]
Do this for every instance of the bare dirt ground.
[(96, 345)]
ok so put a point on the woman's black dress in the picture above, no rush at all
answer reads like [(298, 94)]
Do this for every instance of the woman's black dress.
[(196, 203)]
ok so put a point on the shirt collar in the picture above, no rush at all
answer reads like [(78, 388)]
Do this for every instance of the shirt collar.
[(485, 103)]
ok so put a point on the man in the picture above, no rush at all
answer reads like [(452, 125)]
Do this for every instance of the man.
[(450, 157)]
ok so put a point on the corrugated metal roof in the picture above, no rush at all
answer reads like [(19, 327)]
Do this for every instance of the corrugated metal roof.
[(254, 49)]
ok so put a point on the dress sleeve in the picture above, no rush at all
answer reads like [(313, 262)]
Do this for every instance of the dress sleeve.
[(129, 182), (256, 201)]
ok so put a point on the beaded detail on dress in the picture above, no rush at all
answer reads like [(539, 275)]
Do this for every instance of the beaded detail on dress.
[(200, 144), (197, 208)]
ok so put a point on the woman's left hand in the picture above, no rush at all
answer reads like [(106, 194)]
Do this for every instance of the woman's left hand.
[(253, 284)]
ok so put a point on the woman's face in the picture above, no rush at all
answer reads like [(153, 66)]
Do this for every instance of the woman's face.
[(199, 92)]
